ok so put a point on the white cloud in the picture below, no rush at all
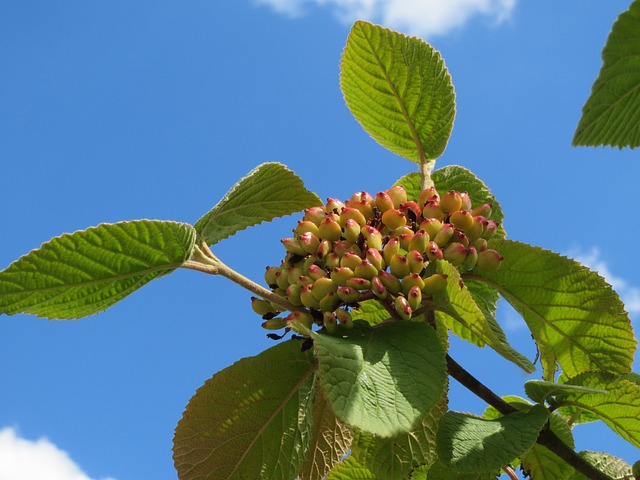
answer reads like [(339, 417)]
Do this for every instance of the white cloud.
[(593, 259), (424, 18), (22, 459)]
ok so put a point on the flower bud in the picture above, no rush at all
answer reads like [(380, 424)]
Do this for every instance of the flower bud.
[(340, 275), (435, 283), (309, 242), (450, 202), (455, 253), (383, 201), (428, 194), (316, 272), (393, 219), (398, 195), (403, 308), (329, 322), (299, 322), (322, 286), (399, 266), (414, 297), (410, 281), (366, 269), (349, 213), (330, 230), (329, 302), (305, 226), (350, 260), (324, 248), (390, 282), (351, 230), (390, 249), (334, 205), (444, 235), (348, 294), (307, 298), (270, 276), (433, 252), (314, 215), (344, 317), (432, 226), (432, 210), (472, 258), (375, 257), (488, 261), (416, 262), (293, 294), (378, 288), (484, 210), (274, 324), (293, 245), (372, 236), (466, 201), (420, 241), (462, 219), (359, 283), (262, 307)]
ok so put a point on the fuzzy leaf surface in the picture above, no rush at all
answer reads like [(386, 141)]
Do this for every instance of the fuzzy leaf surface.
[(350, 469), (371, 312), (382, 380), (468, 321), (471, 444), (611, 114), (540, 390), (619, 408), (576, 318), (399, 90), (250, 420), (615, 467), (269, 191), (82, 273), (330, 441)]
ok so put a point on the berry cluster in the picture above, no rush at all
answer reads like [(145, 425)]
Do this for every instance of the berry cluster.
[(379, 247)]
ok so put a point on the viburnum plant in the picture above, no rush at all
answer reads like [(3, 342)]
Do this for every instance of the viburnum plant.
[(361, 307)]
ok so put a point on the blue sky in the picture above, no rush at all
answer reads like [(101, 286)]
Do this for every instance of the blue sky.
[(122, 110)]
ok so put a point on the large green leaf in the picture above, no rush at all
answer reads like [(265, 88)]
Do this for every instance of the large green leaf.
[(611, 114), (250, 420), (330, 441), (619, 408), (540, 390), (382, 380), (440, 471), (270, 190), (85, 272), (371, 311), (350, 469), (576, 318), (614, 467), (399, 89), (471, 444), (468, 321), (395, 457)]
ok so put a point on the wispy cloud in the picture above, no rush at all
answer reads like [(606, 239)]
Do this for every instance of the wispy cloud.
[(593, 259), (22, 459), (424, 18)]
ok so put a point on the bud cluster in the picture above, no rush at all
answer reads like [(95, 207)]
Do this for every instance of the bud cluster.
[(376, 247)]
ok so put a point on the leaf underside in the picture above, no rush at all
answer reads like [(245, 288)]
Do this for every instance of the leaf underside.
[(83, 273)]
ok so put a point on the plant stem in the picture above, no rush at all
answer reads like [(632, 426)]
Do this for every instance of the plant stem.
[(426, 167), (546, 437)]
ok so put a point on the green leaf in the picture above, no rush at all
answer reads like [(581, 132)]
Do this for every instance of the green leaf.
[(369, 375), (330, 441), (395, 457), (539, 390), (576, 318), (250, 420), (612, 112), (270, 190), (371, 312), (399, 90), (619, 408), (350, 469), (612, 466), (460, 179), (85, 272), (440, 471), (471, 444), (468, 321)]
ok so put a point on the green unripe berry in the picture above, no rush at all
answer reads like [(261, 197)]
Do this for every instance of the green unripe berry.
[(414, 297), (329, 230), (410, 209), (307, 298), (403, 308), (450, 202), (405, 235), (366, 270), (398, 195), (270, 276), (314, 215), (416, 262), (435, 283), (433, 252), (359, 283), (329, 302), (348, 294), (294, 246), (432, 226), (390, 282), (324, 248), (472, 258), (432, 210), (293, 294), (322, 286), (344, 318), (299, 322), (350, 260), (455, 253), (462, 219), (340, 275), (375, 258), (282, 279), (480, 244), (293, 273), (490, 229), (332, 261), (342, 247), (305, 226), (444, 235), (316, 272), (477, 228), (305, 280), (334, 205), (428, 194), (378, 288), (262, 307), (274, 324), (410, 281), (488, 261), (484, 210), (390, 249), (420, 241), (309, 242), (373, 237), (460, 237), (351, 230), (362, 196), (354, 214), (329, 322), (393, 219), (383, 201), (466, 201), (399, 266), (364, 207)]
